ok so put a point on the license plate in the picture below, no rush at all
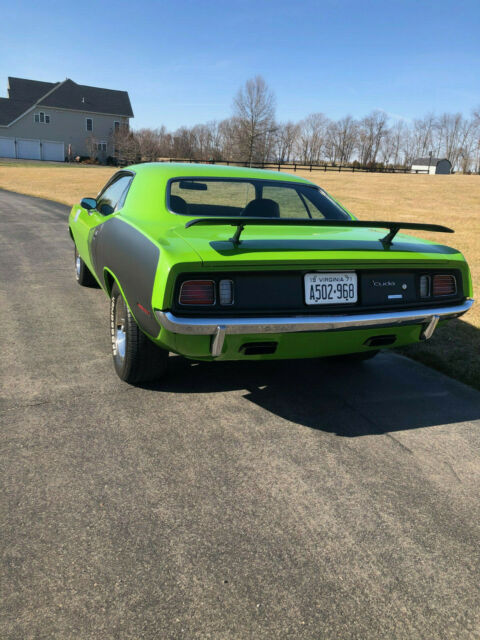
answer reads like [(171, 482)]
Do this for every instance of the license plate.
[(331, 288)]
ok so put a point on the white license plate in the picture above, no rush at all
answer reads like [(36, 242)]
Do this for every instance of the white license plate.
[(331, 288)]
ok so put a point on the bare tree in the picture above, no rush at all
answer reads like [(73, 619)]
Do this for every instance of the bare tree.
[(423, 135), (286, 137), (148, 144), (343, 138), (313, 137), (227, 136), (254, 115), (387, 148), (398, 132), (251, 134), (92, 147), (183, 143), (373, 128), (125, 146)]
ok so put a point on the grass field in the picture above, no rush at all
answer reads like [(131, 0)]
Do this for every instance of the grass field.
[(450, 200)]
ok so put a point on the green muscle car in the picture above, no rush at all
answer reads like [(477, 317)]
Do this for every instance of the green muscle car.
[(223, 263)]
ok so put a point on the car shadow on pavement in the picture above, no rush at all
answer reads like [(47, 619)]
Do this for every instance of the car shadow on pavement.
[(388, 393)]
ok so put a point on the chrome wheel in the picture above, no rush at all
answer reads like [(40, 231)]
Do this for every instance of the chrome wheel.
[(78, 264), (135, 358), (120, 335), (83, 275)]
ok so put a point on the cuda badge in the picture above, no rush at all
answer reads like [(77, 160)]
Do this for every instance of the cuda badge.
[(387, 283)]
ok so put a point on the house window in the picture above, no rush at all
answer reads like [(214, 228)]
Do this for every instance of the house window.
[(42, 117), (116, 126), (102, 146), (89, 124)]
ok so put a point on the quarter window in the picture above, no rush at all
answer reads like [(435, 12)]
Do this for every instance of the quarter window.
[(113, 197), (89, 124)]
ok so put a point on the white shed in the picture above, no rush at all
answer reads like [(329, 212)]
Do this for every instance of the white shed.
[(431, 165)]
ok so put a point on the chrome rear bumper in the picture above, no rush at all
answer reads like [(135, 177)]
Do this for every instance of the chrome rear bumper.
[(219, 327)]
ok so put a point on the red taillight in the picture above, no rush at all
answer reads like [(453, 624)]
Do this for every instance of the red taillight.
[(197, 292), (444, 285)]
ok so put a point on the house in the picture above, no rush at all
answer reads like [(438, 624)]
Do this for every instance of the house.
[(431, 165), (53, 120)]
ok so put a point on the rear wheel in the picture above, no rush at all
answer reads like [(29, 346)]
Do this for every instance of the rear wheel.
[(135, 358), (82, 273)]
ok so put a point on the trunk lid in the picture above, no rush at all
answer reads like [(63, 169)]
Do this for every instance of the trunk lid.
[(276, 246)]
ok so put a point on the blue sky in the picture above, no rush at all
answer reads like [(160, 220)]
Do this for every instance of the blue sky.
[(183, 61)]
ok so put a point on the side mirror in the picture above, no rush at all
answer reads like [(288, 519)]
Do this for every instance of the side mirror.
[(88, 203)]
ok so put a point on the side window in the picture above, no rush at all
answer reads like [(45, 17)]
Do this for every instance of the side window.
[(113, 197), (290, 203)]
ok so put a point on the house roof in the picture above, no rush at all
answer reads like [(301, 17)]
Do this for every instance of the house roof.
[(28, 90), (24, 94), (425, 162), (11, 109), (70, 95)]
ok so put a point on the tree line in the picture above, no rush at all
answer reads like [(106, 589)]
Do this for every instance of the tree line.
[(252, 134)]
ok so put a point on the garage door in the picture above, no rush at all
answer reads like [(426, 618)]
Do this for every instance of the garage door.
[(7, 147), (53, 151), (28, 149)]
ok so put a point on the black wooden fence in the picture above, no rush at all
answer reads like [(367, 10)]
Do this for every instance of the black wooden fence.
[(298, 166)]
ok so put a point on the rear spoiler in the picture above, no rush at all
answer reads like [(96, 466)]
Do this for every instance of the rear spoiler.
[(394, 227)]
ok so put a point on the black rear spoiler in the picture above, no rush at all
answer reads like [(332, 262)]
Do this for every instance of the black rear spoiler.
[(394, 227)]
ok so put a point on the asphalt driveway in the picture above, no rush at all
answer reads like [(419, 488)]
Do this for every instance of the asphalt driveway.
[(259, 500)]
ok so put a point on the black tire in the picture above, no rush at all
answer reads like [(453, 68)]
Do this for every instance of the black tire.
[(135, 358), (83, 274)]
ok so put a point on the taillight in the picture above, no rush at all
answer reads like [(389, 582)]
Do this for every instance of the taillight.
[(197, 292), (444, 285)]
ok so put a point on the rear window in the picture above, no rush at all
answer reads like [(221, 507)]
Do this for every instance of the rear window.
[(205, 197)]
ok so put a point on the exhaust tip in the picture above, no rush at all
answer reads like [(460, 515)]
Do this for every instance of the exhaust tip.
[(258, 348), (380, 341)]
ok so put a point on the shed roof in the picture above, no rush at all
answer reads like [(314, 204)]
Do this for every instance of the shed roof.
[(425, 162)]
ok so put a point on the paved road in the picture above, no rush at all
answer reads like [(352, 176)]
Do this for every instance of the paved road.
[(286, 500)]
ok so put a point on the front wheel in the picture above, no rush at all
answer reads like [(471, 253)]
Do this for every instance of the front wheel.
[(135, 358)]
